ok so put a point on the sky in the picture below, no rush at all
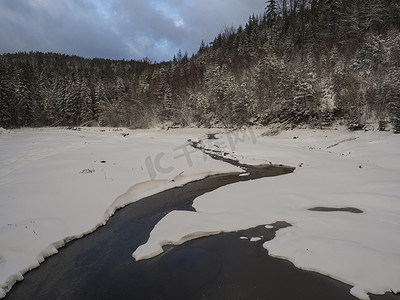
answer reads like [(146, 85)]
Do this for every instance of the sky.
[(118, 29)]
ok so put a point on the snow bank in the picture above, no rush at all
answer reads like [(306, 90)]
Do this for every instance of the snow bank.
[(57, 185), (335, 169)]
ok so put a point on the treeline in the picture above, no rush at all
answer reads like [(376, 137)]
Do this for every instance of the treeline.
[(310, 62)]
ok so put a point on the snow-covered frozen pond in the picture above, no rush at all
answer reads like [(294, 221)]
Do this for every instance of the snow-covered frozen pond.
[(56, 184)]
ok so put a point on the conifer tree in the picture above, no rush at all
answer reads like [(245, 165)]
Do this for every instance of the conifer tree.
[(396, 113), (5, 94), (270, 12)]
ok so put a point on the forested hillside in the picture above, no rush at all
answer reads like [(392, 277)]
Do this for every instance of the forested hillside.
[(303, 62)]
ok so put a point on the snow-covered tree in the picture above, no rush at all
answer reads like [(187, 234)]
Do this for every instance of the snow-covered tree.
[(270, 12)]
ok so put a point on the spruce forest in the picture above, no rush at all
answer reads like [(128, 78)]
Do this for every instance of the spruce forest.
[(308, 63)]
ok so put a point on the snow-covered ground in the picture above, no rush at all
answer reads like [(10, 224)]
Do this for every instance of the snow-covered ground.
[(335, 169), (58, 184)]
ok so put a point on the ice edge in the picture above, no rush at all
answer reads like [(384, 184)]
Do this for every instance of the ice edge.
[(135, 193)]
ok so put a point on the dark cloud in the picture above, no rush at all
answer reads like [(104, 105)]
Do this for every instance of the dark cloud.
[(118, 29), (72, 27)]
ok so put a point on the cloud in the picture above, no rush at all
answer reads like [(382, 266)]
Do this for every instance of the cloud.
[(118, 29), (72, 27)]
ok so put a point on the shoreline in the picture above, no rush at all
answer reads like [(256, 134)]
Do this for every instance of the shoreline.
[(222, 266), (154, 207), (186, 206)]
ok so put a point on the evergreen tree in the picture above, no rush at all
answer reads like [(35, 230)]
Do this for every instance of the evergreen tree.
[(270, 12), (86, 114), (396, 112)]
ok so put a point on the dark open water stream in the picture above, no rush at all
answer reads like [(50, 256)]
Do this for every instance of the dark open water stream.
[(100, 265)]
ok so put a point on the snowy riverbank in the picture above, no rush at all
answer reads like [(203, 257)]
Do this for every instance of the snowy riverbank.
[(58, 184), (335, 169)]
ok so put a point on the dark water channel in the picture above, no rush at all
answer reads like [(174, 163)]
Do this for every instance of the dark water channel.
[(352, 210), (100, 265)]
